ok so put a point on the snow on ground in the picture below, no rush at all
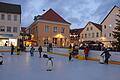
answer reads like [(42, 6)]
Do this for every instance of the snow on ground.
[(25, 67)]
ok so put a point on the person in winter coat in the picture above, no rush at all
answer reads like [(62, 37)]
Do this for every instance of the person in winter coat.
[(32, 51), (107, 55), (86, 52), (12, 49), (40, 50)]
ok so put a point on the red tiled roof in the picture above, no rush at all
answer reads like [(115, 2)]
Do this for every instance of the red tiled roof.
[(51, 15)]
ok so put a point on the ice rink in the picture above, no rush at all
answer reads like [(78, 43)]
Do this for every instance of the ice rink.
[(25, 67)]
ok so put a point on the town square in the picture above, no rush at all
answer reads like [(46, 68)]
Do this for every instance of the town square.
[(59, 40)]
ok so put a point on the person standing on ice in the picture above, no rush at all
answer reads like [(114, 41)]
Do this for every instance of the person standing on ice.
[(49, 64), (86, 52), (12, 49), (107, 55), (40, 50), (32, 51)]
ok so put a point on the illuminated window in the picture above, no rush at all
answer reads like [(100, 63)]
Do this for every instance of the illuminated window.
[(2, 28), (55, 29)]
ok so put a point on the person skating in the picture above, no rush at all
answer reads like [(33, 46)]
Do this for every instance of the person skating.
[(86, 52), (40, 50), (32, 51), (70, 55), (12, 49), (107, 55), (18, 50)]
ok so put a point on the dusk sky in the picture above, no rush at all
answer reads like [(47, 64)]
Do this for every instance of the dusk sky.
[(77, 12)]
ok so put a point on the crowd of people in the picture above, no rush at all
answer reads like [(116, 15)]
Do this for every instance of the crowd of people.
[(74, 51)]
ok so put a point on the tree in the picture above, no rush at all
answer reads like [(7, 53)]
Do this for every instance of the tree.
[(116, 32)]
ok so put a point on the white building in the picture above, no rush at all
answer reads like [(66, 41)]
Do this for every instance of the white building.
[(10, 20), (91, 32), (108, 25)]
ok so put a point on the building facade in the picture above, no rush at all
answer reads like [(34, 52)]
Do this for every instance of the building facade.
[(10, 20), (109, 23), (91, 32), (50, 28), (75, 36)]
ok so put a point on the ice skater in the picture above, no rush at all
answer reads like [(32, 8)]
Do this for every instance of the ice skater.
[(32, 51), (50, 64), (12, 49), (70, 55), (107, 55), (40, 50)]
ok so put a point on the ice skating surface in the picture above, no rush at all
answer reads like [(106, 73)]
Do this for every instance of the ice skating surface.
[(25, 67)]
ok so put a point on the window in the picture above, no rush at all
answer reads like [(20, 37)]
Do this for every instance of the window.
[(9, 17), (2, 16), (91, 28), (15, 29), (55, 29), (82, 36), (15, 17), (8, 29), (89, 34), (104, 35), (62, 30), (97, 34), (92, 35), (104, 26), (46, 28), (110, 35), (87, 29), (2, 28), (85, 35)]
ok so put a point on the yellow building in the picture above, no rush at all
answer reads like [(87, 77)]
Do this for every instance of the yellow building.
[(50, 28)]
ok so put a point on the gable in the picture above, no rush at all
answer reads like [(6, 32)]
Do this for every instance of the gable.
[(110, 12), (51, 15), (94, 27)]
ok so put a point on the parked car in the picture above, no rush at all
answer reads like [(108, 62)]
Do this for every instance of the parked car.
[(1, 59)]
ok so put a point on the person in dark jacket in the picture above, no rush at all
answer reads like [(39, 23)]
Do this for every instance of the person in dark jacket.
[(32, 51), (12, 49), (86, 52), (107, 55), (40, 50)]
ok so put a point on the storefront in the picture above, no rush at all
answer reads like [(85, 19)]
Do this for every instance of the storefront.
[(8, 39)]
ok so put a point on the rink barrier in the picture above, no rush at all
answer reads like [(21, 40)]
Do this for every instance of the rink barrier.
[(93, 55)]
